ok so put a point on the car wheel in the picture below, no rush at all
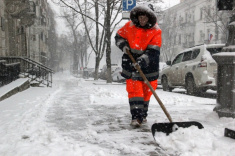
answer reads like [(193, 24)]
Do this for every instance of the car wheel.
[(165, 85), (203, 90), (118, 79), (191, 86)]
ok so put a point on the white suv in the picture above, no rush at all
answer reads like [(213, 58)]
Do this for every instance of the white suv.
[(193, 69)]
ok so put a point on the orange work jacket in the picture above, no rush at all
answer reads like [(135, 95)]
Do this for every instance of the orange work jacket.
[(140, 39)]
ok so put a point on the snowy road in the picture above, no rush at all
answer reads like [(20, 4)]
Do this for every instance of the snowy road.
[(77, 117)]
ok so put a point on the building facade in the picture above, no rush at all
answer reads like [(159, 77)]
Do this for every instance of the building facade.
[(24, 29), (38, 33), (192, 23), (3, 46)]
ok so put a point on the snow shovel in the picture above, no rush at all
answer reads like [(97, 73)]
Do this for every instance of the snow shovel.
[(163, 127)]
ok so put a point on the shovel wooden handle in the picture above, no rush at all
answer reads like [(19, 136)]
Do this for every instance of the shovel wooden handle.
[(149, 85)]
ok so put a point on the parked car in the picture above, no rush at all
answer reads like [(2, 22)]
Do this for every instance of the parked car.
[(193, 68), (161, 66), (103, 73), (117, 77)]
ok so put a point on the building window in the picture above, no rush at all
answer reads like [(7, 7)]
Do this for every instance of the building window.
[(34, 37), (2, 24), (208, 31), (189, 18), (186, 17), (209, 11), (202, 35), (42, 36), (216, 33), (20, 30), (192, 37), (179, 39), (201, 13), (43, 20), (193, 16), (32, 7)]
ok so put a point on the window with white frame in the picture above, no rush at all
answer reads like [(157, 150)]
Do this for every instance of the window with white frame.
[(201, 13), (179, 38)]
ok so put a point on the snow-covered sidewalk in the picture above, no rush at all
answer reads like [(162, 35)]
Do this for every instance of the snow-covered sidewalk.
[(91, 118)]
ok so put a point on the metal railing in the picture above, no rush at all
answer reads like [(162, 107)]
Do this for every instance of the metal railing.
[(35, 71), (8, 72)]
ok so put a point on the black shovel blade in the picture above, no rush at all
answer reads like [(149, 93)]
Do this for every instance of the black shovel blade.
[(229, 133), (173, 126)]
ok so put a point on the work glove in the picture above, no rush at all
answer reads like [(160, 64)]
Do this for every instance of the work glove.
[(125, 48), (142, 61)]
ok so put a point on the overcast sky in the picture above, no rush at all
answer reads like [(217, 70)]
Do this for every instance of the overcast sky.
[(63, 29)]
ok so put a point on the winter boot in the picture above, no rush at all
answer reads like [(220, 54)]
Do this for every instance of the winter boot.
[(136, 123), (144, 121)]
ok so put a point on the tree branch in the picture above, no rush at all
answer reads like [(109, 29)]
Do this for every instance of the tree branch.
[(81, 13)]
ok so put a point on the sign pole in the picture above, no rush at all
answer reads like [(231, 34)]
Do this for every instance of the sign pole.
[(127, 6)]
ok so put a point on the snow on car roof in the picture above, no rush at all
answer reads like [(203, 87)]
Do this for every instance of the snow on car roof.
[(206, 45), (214, 45)]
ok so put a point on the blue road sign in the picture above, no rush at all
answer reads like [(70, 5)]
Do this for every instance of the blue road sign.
[(127, 5)]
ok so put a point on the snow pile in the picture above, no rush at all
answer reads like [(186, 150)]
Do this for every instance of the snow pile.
[(193, 141)]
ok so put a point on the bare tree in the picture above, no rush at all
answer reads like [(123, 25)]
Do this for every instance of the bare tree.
[(167, 36), (104, 27), (219, 19), (105, 19), (71, 18)]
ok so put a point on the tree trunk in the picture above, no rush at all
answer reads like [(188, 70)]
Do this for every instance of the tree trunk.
[(108, 40), (75, 55), (97, 65), (97, 59)]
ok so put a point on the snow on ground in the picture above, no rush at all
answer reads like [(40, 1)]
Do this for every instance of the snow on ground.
[(91, 118)]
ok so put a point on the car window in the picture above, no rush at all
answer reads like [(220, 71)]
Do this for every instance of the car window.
[(177, 59), (187, 56), (214, 50), (195, 53)]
